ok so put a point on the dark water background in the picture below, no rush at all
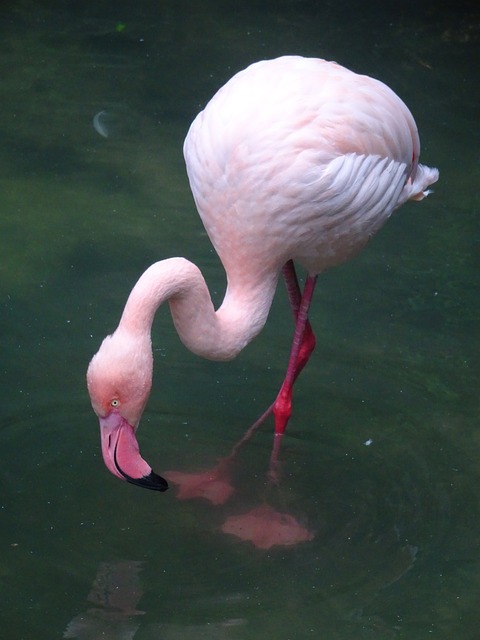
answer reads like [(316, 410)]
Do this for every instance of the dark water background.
[(397, 523)]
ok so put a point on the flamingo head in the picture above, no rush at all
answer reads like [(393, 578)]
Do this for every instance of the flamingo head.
[(119, 380)]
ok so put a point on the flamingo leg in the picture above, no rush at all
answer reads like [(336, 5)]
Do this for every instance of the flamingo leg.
[(215, 484), (295, 296), (302, 346), (296, 362)]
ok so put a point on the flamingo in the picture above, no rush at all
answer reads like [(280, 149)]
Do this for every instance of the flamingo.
[(294, 160)]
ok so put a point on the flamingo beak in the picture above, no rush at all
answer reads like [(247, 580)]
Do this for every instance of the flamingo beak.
[(122, 456)]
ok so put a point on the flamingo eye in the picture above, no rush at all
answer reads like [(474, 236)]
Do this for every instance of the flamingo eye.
[(115, 402)]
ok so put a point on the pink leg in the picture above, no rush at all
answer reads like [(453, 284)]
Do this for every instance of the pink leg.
[(214, 485), (307, 345), (302, 346), (295, 297)]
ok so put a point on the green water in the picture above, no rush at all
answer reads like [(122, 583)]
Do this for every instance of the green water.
[(381, 460)]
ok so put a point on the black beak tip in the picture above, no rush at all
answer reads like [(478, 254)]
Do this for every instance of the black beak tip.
[(153, 481)]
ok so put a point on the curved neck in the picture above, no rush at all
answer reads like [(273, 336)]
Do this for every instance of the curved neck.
[(216, 335)]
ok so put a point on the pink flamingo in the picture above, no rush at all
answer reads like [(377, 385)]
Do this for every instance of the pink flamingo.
[(294, 159)]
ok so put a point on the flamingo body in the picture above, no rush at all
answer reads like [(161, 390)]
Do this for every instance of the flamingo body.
[(293, 159), (302, 159)]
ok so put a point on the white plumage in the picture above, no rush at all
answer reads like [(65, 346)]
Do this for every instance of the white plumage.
[(294, 159)]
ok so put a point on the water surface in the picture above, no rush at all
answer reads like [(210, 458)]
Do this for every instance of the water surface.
[(381, 459)]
